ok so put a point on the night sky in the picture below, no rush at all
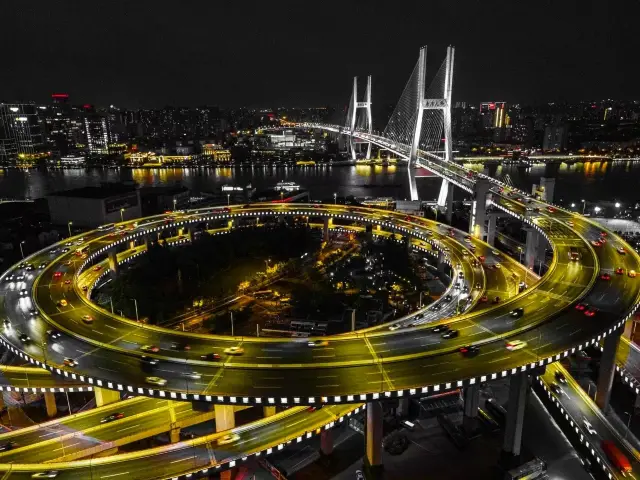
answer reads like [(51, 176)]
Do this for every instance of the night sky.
[(143, 53)]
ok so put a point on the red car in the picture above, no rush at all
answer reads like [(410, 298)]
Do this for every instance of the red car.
[(596, 243), (605, 276), (482, 258), (551, 209), (57, 274), (582, 306), (619, 271), (590, 312), (97, 268), (67, 282), (484, 299), (603, 234)]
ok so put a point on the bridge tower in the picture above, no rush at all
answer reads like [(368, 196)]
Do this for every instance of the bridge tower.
[(362, 123)]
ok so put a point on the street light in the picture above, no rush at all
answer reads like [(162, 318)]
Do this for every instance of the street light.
[(228, 199), (69, 225), (617, 204), (22, 251), (573, 205), (121, 215), (584, 204), (174, 204), (597, 209), (335, 198)]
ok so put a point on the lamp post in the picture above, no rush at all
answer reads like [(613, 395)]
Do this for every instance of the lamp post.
[(228, 199), (335, 198), (231, 313), (174, 204), (21, 251), (135, 303), (121, 215), (69, 225), (584, 204)]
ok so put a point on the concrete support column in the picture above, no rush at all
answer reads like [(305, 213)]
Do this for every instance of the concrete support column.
[(518, 388), (445, 199), (442, 265), (491, 229), (471, 396), (174, 433), (268, 411), (113, 261), (147, 241), (225, 417), (607, 370), (105, 397), (531, 248), (132, 244), (191, 229), (50, 403), (326, 442), (374, 436), (548, 185), (328, 222), (478, 213)]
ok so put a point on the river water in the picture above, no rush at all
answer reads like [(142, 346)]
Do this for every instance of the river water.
[(593, 181)]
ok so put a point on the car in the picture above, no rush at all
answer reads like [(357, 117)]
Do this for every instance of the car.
[(478, 286), (156, 381), (605, 276), (47, 474), (395, 327), (7, 323), (582, 306), (559, 376), (436, 307), (183, 347), (193, 375), (53, 334), (482, 258), (22, 265), (24, 292), (62, 303), (622, 251), (57, 274), (24, 338), (603, 233), (85, 288), (150, 348), (450, 334), (234, 351), (228, 438), (469, 350), (448, 297), (112, 418), (67, 282), (318, 343), (495, 252), (484, 299), (67, 263), (87, 319), (632, 274), (517, 312), (70, 362), (359, 475), (515, 345), (551, 209), (149, 360), (590, 312), (439, 328), (619, 271), (9, 278), (555, 388), (29, 267), (496, 300), (97, 268), (596, 243), (19, 278), (497, 265), (570, 223), (5, 447), (588, 426), (43, 265), (210, 356), (64, 250)]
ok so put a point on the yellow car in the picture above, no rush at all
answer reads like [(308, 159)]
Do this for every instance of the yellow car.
[(234, 351), (63, 303), (632, 273)]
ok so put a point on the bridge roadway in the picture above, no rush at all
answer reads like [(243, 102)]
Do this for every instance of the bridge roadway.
[(179, 459), (372, 364)]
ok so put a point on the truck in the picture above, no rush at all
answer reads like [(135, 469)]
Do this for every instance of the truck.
[(616, 457)]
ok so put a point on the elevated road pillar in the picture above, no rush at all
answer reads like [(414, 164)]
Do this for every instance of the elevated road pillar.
[(492, 225), (105, 396), (113, 261), (373, 439), (132, 244), (174, 433), (148, 241), (512, 442), (50, 403), (478, 214), (532, 248), (268, 411), (471, 397), (328, 222), (191, 230), (607, 370), (326, 442), (445, 199), (547, 188), (225, 417)]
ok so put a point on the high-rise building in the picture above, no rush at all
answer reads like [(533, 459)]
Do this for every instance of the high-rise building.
[(97, 133), (555, 138), (494, 114), (20, 134)]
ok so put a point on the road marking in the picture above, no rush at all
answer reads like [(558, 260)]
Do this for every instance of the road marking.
[(127, 428), (116, 474)]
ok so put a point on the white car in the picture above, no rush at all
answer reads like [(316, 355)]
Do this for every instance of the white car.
[(495, 252), (156, 381), (193, 375), (515, 345), (588, 426), (229, 438), (234, 351), (395, 327)]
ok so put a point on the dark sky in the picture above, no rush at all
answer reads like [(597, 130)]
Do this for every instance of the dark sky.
[(232, 53)]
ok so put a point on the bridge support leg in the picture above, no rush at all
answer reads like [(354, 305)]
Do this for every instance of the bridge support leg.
[(328, 222), (607, 370), (478, 212), (268, 411), (326, 442), (548, 185), (105, 396), (518, 389), (491, 229), (50, 403), (225, 417), (441, 262), (113, 261), (191, 230), (373, 440), (532, 248), (174, 433), (147, 241), (445, 199), (132, 244), (471, 396)]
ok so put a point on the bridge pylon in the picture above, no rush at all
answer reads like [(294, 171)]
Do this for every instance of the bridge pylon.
[(365, 122)]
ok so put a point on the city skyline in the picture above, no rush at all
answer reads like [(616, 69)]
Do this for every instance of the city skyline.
[(146, 57)]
